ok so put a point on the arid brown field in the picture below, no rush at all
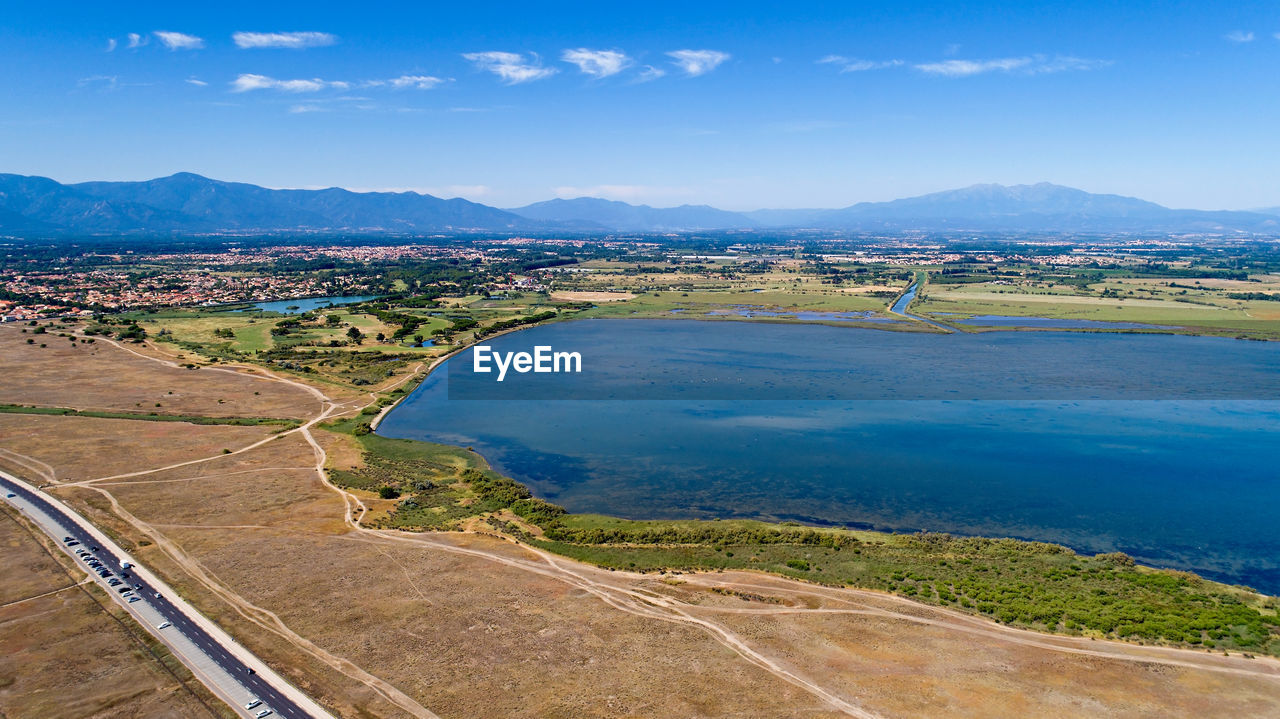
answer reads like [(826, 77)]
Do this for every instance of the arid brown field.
[(66, 651), (105, 377)]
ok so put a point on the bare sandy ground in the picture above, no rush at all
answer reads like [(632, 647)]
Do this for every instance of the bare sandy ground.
[(592, 296), (377, 623)]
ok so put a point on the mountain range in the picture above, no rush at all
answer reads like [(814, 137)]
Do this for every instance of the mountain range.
[(185, 204)]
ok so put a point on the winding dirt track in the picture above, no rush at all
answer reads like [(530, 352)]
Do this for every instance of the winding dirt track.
[(613, 588)]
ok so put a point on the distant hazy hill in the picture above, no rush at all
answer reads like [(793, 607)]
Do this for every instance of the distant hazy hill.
[(1034, 208), (1269, 211), (623, 217), (1040, 207), (185, 203)]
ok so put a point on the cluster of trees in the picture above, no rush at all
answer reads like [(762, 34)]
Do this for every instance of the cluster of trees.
[(515, 322), (408, 323), (1274, 296), (498, 492), (708, 533)]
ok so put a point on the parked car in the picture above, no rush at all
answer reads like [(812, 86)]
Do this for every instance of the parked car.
[(166, 625), (252, 703)]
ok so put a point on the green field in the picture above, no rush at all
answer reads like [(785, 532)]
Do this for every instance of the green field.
[(1201, 312)]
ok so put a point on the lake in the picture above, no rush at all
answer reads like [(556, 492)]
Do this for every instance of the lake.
[(1168, 450), (305, 305)]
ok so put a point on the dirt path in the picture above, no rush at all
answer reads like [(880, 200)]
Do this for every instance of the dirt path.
[(87, 580)]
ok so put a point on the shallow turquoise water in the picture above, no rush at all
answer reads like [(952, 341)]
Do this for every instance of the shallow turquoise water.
[(305, 305), (1186, 476)]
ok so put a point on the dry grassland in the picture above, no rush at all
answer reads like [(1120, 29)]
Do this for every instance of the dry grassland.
[(62, 655), (102, 377)]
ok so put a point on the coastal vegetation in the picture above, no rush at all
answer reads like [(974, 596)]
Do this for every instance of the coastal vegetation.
[(1034, 585)]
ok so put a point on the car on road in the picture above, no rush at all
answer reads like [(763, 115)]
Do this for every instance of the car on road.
[(135, 598), (166, 625), (263, 713), (10, 495), (253, 703)]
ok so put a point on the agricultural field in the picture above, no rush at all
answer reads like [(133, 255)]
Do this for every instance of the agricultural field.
[(1247, 307)]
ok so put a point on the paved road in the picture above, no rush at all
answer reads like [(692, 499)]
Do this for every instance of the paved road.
[(228, 669)]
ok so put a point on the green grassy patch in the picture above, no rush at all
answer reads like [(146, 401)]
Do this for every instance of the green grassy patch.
[(150, 416)]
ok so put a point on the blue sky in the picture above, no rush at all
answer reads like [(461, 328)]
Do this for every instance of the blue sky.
[(740, 105)]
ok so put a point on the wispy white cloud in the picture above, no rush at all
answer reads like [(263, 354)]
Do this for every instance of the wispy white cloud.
[(248, 82), (849, 64), (1027, 65), (111, 44), (415, 82), (136, 40), (196, 81), (102, 82), (290, 40), (1067, 63), (303, 109), (178, 40), (597, 63), (1239, 36), (512, 67), (698, 62), (649, 72), (964, 68)]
